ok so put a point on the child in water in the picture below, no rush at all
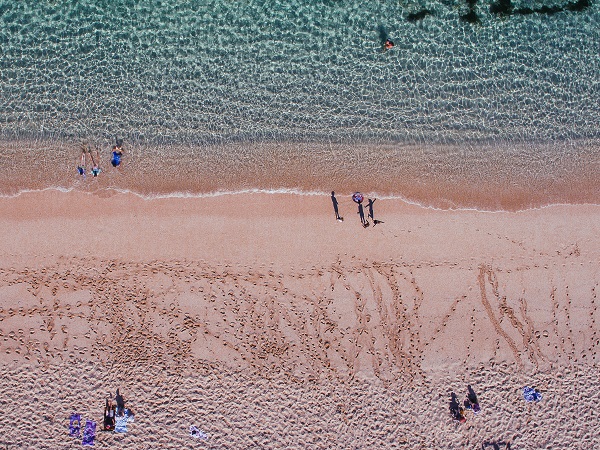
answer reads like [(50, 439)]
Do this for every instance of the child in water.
[(95, 168), (82, 167)]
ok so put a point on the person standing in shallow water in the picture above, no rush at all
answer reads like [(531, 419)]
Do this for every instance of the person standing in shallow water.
[(95, 167), (81, 167)]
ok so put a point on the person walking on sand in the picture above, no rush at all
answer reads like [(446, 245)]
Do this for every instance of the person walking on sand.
[(109, 415), (335, 208)]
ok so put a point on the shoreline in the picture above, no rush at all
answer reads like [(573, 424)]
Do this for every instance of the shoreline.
[(442, 177), (112, 191), (263, 222)]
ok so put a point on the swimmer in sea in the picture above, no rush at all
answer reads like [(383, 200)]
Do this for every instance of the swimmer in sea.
[(117, 153), (388, 44)]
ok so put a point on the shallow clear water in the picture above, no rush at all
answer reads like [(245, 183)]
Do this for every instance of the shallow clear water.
[(208, 78)]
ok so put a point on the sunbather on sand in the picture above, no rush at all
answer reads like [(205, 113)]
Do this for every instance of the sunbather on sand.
[(109, 415)]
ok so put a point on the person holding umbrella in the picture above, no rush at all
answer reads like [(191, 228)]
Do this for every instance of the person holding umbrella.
[(357, 197)]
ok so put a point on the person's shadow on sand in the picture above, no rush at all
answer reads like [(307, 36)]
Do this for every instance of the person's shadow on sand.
[(472, 396), (361, 212), (455, 407), (336, 208)]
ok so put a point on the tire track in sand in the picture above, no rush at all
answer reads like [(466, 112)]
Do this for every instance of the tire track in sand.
[(483, 271)]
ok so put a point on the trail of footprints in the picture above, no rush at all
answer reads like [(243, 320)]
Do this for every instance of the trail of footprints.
[(331, 321)]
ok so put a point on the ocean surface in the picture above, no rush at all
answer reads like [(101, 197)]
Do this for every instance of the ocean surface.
[(492, 105)]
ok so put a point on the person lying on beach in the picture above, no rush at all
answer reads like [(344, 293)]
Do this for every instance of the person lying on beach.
[(456, 410), (109, 415)]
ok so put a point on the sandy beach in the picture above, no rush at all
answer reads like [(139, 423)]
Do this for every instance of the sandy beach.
[(266, 323)]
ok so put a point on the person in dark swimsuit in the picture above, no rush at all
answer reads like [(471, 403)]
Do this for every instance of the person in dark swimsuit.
[(109, 416), (117, 153)]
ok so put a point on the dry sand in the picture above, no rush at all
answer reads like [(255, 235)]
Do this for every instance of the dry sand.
[(268, 324)]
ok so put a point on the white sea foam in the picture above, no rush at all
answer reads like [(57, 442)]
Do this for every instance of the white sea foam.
[(282, 191)]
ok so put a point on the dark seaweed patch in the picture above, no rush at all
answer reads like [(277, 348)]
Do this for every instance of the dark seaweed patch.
[(419, 15), (504, 8), (470, 17), (501, 7)]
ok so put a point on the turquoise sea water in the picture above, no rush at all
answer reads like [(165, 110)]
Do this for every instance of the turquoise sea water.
[(221, 81)]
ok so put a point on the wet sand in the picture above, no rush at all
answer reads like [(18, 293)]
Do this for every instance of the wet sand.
[(496, 177), (267, 323)]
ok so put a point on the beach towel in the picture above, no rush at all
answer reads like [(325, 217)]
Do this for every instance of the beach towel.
[(196, 433), (75, 425), (121, 421), (89, 433), (531, 395)]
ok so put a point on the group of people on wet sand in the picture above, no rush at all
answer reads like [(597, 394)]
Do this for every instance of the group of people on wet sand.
[(93, 156), (358, 198)]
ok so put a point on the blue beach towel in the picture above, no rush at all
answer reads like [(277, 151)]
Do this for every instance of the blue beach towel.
[(89, 433), (121, 422), (197, 434), (75, 425), (531, 395)]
